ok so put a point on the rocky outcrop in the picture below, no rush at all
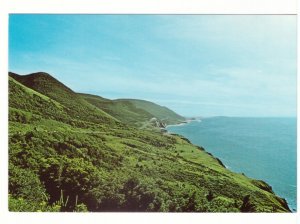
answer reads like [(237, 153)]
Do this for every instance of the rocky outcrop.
[(157, 123)]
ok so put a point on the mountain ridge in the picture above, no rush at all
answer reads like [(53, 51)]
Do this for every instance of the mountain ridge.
[(75, 158), (135, 114), (49, 86)]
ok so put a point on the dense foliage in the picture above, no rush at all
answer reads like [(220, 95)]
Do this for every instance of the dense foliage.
[(67, 156)]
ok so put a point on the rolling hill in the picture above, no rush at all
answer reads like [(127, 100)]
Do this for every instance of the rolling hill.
[(141, 113), (66, 154), (124, 111), (50, 87), (164, 114)]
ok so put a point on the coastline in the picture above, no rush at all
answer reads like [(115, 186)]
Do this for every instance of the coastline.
[(187, 121), (198, 146), (266, 185)]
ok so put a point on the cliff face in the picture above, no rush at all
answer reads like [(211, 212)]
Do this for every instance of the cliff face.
[(66, 154)]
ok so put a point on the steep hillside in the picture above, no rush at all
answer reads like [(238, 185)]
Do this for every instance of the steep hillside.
[(162, 113), (61, 161), (75, 106), (124, 111), (141, 113)]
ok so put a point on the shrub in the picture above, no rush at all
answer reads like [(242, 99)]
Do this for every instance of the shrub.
[(24, 183)]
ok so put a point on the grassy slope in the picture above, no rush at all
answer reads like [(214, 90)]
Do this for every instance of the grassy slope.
[(162, 113), (50, 87), (132, 111), (113, 167), (124, 111)]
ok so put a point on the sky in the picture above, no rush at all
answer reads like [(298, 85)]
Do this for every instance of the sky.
[(197, 65)]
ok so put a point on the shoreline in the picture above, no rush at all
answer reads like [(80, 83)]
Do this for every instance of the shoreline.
[(183, 123), (292, 210), (188, 140)]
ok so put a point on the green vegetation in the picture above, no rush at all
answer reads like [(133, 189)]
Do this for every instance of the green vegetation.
[(140, 113), (67, 153), (162, 113), (73, 104), (124, 111)]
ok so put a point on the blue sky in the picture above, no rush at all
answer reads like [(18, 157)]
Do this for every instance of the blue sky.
[(209, 65)]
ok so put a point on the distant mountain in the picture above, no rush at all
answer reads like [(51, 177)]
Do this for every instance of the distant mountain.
[(164, 114), (138, 112), (67, 154), (124, 111)]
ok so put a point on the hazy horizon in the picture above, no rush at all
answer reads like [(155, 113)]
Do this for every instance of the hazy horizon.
[(209, 65)]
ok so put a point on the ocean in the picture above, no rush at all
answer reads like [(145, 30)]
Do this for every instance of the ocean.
[(261, 148)]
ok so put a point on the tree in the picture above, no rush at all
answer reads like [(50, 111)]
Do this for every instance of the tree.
[(138, 196), (191, 204), (247, 205), (210, 196)]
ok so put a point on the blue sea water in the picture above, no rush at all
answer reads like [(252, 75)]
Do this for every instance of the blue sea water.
[(262, 148)]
